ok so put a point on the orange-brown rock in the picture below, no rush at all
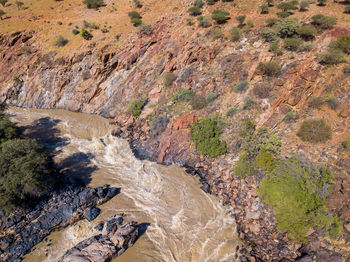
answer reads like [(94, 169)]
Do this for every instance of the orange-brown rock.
[(185, 121)]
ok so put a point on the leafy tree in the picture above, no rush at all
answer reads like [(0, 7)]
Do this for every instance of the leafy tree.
[(93, 4), (206, 136), (25, 172), (220, 16)]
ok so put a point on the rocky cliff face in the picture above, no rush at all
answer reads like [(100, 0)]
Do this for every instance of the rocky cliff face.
[(104, 81)]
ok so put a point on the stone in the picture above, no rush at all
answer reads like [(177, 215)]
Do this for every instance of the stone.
[(185, 121), (253, 215), (91, 213)]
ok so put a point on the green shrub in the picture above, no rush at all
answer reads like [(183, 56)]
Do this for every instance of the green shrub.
[(86, 24), (248, 103), (3, 2), (25, 172), (332, 102), (316, 102), (275, 48), (211, 2), (264, 9), (315, 131), (86, 34), (198, 102), (346, 143), (211, 97), (288, 27), (75, 31), (2, 12), (220, 16), (241, 86), (189, 21), (332, 57), (136, 21), (324, 22), (306, 32), (169, 78), (185, 95), (269, 68), (297, 193), (271, 21), (136, 106), (283, 15), (93, 3), (137, 3), (303, 6), (206, 136), (216, 33), (19, 4), (347, 9), (61, 41), (198, 3), (235, 34), (290, 116), (240, 19), (146, 29), (204, 21), (134, 14), (286, 6), (343, 44), (322, 2), (269, 2), (231, 111), (243, 167), (269, 34), (194, 10), (293, 44), (8, 129)]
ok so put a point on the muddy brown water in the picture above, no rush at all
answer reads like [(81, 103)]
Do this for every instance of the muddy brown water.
[(186, 224)]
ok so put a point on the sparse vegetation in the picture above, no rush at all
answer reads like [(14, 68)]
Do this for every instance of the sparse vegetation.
[(184, 95), (248, 103), (332, 102), (61, 41), (241, 86), (316, 102), (211, 97), (332, 57), (204, 21), (269, 68), (271, 21), (231, 111), (2, 13), (198, 102), (136, 106), (86, 34), (3, 2), (343, 44), (235, 34), (169, 78), (264, 9), (206, 136), (240, 19), (315, 131), (93, 4)]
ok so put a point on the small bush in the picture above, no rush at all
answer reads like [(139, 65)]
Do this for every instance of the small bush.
[(146, 29), (241, 86), (303, 6), (136, 21), (137, 3), (315, 131), (134, 14), (231, 111), (3, 2), (275, 48), (235, 34), (95, 4), (220, 16), (61, 41), (8, 129), (322, 2), (316, 102), (206, 136), (169, 78), (269, 2), (194, 10), (198, 3), (305, 47), (324, 22), (2, 12), (75, 31), (347, 9), (135, 107), (269, 68), (211, 97), (283, 15), (271, 21), (216, 33), (269, 34), (243, 167), (189, 21), (86, 24), (262, 90), (346, 143), (204, 21), (211, 2), (332, 102), (185, 95), (240, 19), (288, 27), (264, 9), (86, 34), (248, 103), (333, 57), (306, 32), (286, 6), (343, 44), (290, 116), (198, 102), (293, 44)]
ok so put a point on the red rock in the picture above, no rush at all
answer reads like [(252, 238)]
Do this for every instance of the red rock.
[(310, 75), (185, 121)]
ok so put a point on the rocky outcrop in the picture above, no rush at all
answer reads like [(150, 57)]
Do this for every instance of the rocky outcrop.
[(24, 229), (117, 239)]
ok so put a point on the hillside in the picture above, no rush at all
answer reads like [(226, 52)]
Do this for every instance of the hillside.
[(158, 79)]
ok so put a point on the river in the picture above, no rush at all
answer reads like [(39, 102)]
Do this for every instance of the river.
[(185, 224)]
